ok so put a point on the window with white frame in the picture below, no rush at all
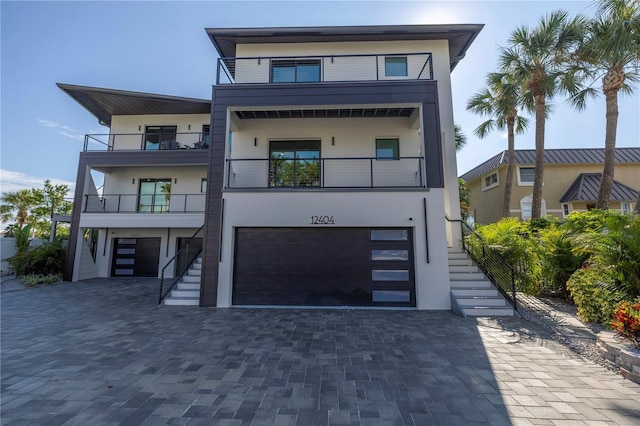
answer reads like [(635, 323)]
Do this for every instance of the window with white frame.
[(526, 207), (490, 181), (526, 176), (565, 210), (624, 207)]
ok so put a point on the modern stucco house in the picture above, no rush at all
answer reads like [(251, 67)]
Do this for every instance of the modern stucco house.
[(321, 172), (571, 182)]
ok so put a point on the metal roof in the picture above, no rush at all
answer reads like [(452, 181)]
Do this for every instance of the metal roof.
[(587, 185), (553, 156), (104, 103), (460, 36)]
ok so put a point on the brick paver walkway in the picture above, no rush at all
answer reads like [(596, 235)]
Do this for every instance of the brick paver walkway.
[(101, 353)]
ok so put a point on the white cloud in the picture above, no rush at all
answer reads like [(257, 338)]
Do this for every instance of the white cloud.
[(15, 181), (61, 129), (505, 135)]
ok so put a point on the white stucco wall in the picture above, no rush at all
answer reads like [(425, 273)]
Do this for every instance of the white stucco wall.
[(349, 209)]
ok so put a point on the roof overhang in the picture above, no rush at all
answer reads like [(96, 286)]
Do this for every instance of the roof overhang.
[(460, 36), (105, 103)]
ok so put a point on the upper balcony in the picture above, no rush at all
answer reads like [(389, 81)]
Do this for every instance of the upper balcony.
[(146, 141), (333, 68)]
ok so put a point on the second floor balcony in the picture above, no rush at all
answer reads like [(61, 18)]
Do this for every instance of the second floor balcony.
[(146, 203), (325, 173), (328, 68)]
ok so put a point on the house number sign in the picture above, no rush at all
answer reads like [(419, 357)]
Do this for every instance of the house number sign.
[(322, 220)]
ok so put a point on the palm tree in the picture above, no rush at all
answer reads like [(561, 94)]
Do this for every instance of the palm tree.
[(17, 205), (537, 60), (461, 138), (611, 52), (500, 101)]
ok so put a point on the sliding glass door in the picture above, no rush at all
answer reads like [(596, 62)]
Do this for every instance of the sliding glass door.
[(294, 163), (154, 195)]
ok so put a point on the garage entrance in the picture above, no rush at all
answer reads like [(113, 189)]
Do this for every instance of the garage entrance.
[(324, 267), (135, 257)]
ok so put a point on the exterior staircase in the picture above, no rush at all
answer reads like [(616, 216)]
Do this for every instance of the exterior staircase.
[(187, 291), (472, 294)]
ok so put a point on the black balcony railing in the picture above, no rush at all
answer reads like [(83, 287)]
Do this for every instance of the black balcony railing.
[(328, 68), (146, 141), (136, 203), (402, 172)]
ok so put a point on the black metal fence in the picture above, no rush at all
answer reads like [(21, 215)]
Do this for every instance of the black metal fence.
[(503, 274)]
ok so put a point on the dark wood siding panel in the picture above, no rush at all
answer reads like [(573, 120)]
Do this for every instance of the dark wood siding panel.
[(432, 146), (184, 157), (74, 230)]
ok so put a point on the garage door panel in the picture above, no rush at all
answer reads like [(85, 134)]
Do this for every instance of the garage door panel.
[(316, 266)]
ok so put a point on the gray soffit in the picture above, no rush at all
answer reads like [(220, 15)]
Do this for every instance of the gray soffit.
[(553, 156), (587, 185), (104, 103), (460, 36), (327, 113)]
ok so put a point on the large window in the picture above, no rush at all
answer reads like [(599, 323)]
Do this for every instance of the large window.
[(160, 137), (294, 163), (154, 195), (526, 175), (387, 148), (395, 66), (295, 71)]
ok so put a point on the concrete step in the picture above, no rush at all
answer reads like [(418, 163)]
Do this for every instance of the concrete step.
[(484, 301), (466, 276), (460, 262), (194, 272), (457, 255), (488, 312), (191, 278), (196, 266), (471, 284), (188, 286), (463, 268), (470, 292), (182, 301), (185, 293)]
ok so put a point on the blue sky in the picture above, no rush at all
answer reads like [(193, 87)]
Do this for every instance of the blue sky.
[(161, 47)]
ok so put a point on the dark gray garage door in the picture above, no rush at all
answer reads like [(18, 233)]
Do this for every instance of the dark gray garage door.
[(135, 257), (324, 267)]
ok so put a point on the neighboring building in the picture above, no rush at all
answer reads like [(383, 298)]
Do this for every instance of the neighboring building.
[(571, 183), (322, 170)]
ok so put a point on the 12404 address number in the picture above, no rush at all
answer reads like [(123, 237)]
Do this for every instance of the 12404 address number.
[(322, 220)]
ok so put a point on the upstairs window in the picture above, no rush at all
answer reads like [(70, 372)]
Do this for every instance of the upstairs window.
[(387, 149), (295, 71), (526, 176), (490, 181), (395, 66)]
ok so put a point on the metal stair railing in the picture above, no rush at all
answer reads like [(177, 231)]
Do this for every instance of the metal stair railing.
[(179, 274), (499, 271)]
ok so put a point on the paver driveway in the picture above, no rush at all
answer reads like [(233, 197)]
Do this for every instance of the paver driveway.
[(101, 352)]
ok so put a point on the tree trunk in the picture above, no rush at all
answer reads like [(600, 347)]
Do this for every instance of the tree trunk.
[(636, 209), (536, 203), (506, 202), (606, 184)]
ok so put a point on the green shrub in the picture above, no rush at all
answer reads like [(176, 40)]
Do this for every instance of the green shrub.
[(512, 240), (48, 259), (32, 280), (594, 293), (615, 246), (558, 260)]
